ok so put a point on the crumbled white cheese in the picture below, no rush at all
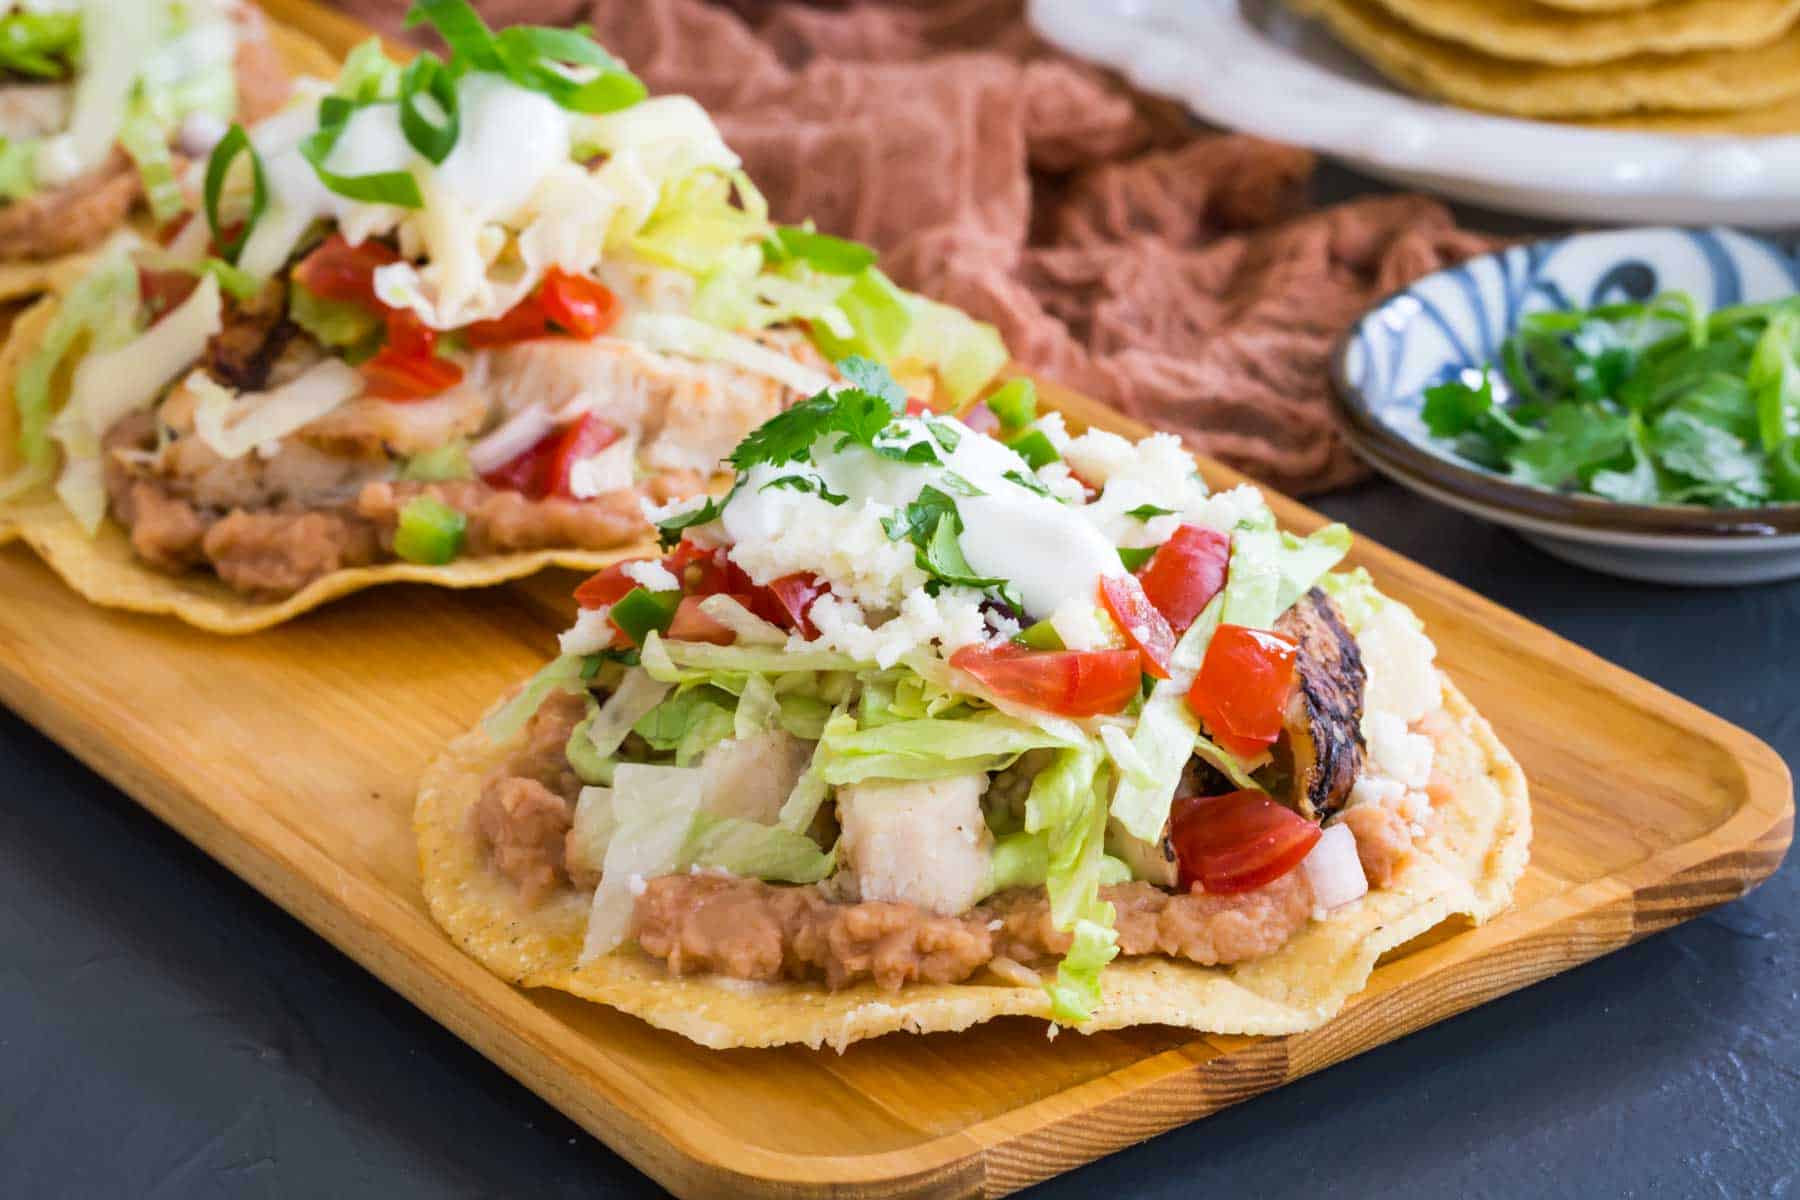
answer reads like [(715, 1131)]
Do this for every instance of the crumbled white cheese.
[(1395, 751), (1097, 456), (952, 619), (1053, 427), (1057, 479), (1403, 680), (590, 634), (650, 574)]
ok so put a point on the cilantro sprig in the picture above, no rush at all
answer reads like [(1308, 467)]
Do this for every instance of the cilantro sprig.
[(934, 527), (1653, 403)]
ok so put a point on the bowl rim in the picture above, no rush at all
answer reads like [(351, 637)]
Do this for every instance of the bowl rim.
[(1397, 456)]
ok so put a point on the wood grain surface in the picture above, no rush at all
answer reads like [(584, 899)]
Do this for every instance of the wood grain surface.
[(291, 757)]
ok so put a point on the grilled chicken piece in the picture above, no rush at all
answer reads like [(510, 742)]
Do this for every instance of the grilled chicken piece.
[(1321, 749), (918, 842), (244, 352)]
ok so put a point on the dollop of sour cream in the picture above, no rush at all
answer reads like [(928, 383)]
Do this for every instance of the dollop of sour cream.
[(1047, 550)]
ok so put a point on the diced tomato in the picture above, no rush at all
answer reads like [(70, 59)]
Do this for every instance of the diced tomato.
[(524, 322), (524, 473), (583, 438), (578, 306), (1237, 842), (164, 290), (336, 270), (1243, 688), (916, 407), (692, 625), (605, 587), (407, 367), (981, 419), (1141, 624), (544, 469), (1070, 683), (582, 307), (703, 572), (796, 595), (1185, 573), (400, 377)]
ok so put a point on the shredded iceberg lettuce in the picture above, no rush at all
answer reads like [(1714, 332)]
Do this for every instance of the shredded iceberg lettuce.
[(1165, 736), (689, 723), (1271, 569), (101, 310), (566, 673), (756, 851), (928, 748), (1068, 805), (966, 354)]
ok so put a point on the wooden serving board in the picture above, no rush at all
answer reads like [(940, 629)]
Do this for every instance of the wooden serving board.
[(291, 757)]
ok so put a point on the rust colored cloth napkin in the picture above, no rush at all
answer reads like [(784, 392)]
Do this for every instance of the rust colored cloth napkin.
[(1173, 273)]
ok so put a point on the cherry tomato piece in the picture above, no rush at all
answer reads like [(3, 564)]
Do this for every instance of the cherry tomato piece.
[(582, 307), (692, 625), (1243, 688), (1185, 573), (796, 595), (606, 586), (1141, 624), (1070, 683), (1237, 842), (526, 320), (583, 438), (395, 375), (336, 270)]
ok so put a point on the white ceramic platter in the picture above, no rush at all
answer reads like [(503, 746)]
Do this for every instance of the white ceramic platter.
[(1251, 65)]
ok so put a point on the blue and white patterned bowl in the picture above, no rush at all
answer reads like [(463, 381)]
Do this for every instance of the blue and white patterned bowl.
[(1454, 321)]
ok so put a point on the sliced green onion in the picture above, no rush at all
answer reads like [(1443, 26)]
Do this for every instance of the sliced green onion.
[(1040, 636), (1135, 557), (1015, 403), (234, 143), (1035, 447), (430, 531), (462, 29), (433, 136), (398, 188), (368, 74), (821, 251), (641, 611), (447, 462)]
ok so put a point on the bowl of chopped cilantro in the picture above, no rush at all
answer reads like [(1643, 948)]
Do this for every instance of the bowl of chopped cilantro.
[(1629, 400)]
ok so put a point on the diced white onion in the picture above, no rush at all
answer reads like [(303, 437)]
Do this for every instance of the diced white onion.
[(234, 428), (1333, 870), (525, 429), (200, 132)]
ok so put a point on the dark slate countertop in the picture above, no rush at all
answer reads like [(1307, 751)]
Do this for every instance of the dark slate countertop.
[(168, 1032)]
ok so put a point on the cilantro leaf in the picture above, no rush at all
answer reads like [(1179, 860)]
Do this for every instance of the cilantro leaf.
[(1720, 464), (1576, 441), (961, 486), (807, 483), (932, 524), (1029, 482), (871, 377), (944, 434), (1454, 408), (1146, 512), (789, 436), (669, 531)]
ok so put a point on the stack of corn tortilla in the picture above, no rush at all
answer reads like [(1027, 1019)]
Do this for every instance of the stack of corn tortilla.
[(1679, 66)]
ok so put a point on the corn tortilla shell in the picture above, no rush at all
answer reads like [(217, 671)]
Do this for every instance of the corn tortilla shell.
[(1708, 80), (1771, 120), (1527, 30), (1466, 865)]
